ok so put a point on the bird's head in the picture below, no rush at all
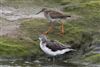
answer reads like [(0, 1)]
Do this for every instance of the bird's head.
[(42, 37), (42, 10)]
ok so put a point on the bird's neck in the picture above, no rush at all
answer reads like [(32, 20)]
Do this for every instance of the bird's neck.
[(42, 44), (42, 41)]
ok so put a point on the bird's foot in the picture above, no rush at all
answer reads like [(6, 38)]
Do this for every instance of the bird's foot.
[(45, 32)]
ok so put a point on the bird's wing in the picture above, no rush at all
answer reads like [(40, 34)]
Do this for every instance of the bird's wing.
[(55, 14), (65, 45), (54, 46)]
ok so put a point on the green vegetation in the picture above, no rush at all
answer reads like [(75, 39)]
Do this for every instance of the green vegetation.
[(33, 29), (88, 24), (93, 58), (90, 13), (16, 48), (31, 3)]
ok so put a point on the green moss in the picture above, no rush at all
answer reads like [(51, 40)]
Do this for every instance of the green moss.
[(93, 58), (84, 8), (90, 13), (24, 3), (15, 48), (28, 44), (34, 27)]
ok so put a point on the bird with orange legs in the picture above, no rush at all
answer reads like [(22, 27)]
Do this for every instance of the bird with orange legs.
[(53, 16)]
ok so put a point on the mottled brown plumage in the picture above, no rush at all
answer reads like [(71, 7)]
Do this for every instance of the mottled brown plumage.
[(53, 16)]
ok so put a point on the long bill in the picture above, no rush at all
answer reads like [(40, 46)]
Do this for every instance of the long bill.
[(39, 12)]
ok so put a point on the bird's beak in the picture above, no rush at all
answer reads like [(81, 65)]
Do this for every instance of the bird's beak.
[(39, 12)]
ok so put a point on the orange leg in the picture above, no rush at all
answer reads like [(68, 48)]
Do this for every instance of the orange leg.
[(49, 29), (62, 28)]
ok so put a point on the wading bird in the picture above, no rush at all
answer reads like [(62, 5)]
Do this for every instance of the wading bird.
[(53, 16), (53, 48)]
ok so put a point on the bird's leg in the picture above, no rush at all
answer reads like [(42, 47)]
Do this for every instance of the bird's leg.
[(49, 29), (62, 29), (53, 61)]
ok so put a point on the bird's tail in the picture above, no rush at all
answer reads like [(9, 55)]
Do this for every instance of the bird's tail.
[(70, 50), (68, 16)]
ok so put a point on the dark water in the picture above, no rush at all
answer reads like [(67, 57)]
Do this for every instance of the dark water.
[(36, 63)]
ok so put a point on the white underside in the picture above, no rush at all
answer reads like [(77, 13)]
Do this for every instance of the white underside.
[(50, 52)]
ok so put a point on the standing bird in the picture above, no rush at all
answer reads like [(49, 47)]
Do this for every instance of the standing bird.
[(53, 16), (53, 48)]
